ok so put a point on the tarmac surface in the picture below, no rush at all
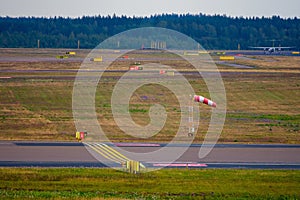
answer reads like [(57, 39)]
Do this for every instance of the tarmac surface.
[(69, 154)]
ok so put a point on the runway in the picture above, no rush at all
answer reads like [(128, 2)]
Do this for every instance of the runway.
[(69, 154)]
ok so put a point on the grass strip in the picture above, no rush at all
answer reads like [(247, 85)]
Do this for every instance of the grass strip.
[(92, 183)]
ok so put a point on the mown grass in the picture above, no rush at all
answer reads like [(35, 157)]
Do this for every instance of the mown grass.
[(87, 183), (27, 108), (262, 103)]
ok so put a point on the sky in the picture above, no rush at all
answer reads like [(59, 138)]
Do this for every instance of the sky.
[(75, 8)]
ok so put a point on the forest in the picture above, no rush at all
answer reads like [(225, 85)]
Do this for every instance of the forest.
[(211, 31)]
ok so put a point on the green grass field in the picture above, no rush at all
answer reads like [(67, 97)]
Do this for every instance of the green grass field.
[(86, 183), (262, 103), (262, 107)]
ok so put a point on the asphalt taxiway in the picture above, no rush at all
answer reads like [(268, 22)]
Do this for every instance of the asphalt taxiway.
[(71, 154)]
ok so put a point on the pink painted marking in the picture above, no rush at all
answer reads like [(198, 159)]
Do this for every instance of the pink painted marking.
[(137, 145), (179, 165), (5, 77), (197, 165)]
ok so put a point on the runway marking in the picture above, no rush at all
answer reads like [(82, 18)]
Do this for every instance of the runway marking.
[(108, 152), (96, 150), (137, 145), (114, 152), (179, 165)]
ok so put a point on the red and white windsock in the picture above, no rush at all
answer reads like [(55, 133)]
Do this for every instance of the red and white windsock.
[(204, 100)]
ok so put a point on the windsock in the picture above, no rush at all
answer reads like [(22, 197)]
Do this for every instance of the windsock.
[(204, 100)]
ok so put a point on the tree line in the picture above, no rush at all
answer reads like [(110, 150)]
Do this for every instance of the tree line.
[(211, 31)]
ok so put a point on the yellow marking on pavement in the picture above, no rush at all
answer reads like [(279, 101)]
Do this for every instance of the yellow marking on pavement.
[(108, 152), (115, 152), (104, 154)]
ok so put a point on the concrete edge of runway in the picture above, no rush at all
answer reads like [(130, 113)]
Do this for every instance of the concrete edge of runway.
[(42, 143), (30, 164)]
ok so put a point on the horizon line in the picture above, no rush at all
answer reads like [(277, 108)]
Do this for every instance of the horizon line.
[(151, 15)]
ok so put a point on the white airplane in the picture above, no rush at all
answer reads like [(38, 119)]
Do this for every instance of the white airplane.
[(272, 49)]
